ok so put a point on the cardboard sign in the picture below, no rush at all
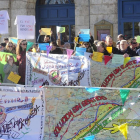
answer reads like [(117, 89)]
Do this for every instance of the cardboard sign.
[(14, 77)]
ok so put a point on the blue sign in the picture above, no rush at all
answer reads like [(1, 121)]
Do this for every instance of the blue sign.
[(43, 46), (80, 51)]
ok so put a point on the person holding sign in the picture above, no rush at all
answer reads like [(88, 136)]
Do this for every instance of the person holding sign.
[(21, 60), (46, 38), (101, 48), (8, 68), (109, 43)]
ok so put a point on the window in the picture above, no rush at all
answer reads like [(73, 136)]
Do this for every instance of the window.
[(128, 30)]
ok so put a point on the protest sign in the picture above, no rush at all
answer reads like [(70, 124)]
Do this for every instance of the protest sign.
[(45, 31), (117, 59), (101, 114), (57, 70), (97, 56), (43, 46), (115, 75), (80, 51), (138, 39), (25, 27), (84, 37), (60, 29), (22, 113), (85, 31), (3, 57), (14, 40), (4, 17), (14, 77), (109, 49)]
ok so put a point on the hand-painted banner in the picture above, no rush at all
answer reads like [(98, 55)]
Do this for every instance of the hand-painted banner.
[(3, 57), (75, 114), (22, 113), (115, 75), (57, 70)]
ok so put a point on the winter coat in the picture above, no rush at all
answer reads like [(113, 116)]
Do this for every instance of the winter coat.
[(7, 70)]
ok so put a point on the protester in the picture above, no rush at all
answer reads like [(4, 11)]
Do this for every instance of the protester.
[(59, 42), (120, 37), (9, 67), (46, 38), (6, 40), (88, 47), (125, 50), (10, 48), (55, 49), (133, 45), (101, 47), (2, 48), (21, 60), (109, 43), (66, 46)]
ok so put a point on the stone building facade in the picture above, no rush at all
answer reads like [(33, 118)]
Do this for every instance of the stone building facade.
[(84, 17)]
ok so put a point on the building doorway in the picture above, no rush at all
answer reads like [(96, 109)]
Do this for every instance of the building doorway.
[(52, 13)]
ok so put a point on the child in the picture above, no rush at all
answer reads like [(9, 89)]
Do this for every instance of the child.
[(8, 68)]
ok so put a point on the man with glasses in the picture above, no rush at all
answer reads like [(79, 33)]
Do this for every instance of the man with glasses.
[(133, 45)]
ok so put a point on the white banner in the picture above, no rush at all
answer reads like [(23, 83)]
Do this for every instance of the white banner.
[(22, 113), (57, 70), (4, 17), (25, 27)]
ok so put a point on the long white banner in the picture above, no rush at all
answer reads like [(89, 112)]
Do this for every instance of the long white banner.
[(22, 113), (57, 70)]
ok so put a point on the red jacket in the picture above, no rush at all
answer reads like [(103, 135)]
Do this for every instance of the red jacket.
[(21, 62)]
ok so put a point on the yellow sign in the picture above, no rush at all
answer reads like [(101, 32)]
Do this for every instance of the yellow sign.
[(14, 77), (76, 39), (97, 56), (109, 49), (45, 31)]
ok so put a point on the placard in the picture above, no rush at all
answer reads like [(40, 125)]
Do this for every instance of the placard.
[(14, 77), (82, 114), (57, 70), (22, 113), (25, 26), (4, 17)]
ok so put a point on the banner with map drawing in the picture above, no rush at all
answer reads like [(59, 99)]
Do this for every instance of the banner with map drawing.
[(72, 113), (22, 113), (115, 75), (57, 70)]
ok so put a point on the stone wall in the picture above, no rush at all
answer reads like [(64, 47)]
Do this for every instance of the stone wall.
[(99, 9)]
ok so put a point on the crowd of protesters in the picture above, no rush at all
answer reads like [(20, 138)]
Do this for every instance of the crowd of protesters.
[(127, 48)]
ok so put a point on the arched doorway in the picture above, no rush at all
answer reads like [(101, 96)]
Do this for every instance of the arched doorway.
[(52, 13)]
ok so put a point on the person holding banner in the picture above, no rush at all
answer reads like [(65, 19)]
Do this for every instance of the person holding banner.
[(21, 60), (9, 67), (10, 48), (55, 49)]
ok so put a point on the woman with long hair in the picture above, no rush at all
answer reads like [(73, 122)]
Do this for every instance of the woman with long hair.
[(10, 48), (21, 59)]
